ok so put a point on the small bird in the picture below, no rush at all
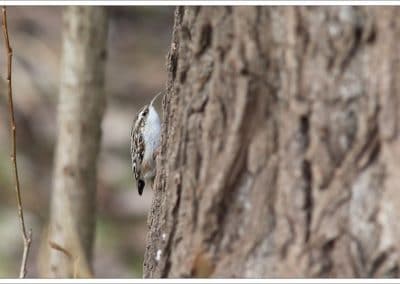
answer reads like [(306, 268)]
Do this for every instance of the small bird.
[(145, 140)]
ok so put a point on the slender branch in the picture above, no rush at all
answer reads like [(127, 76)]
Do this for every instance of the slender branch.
[(26, 236)]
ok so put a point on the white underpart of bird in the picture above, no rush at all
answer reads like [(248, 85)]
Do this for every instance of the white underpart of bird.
[(151, 136)]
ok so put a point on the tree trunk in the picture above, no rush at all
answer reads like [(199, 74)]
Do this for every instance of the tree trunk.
[(280, 151), (81, 104)]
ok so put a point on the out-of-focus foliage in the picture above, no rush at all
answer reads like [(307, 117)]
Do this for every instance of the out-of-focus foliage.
[(138, 42)]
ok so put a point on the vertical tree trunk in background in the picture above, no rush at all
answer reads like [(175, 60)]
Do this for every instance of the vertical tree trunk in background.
[(280, 151), (81, 106)]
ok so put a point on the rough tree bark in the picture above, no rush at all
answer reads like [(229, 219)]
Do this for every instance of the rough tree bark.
[(280, 150), (68, 248)]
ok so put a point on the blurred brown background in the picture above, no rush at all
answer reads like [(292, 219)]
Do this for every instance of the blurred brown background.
[(138, 41)]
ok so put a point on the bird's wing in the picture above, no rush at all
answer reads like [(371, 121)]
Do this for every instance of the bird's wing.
[(137, 150)]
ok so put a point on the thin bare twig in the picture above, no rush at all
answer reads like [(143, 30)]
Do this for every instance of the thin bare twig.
[(26, 236)]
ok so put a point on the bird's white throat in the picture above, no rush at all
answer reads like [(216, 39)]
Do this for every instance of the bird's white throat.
[(151, 133)]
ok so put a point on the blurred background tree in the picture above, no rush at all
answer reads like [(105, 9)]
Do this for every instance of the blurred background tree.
[(280, 153), (137, 45), (80, 113)]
